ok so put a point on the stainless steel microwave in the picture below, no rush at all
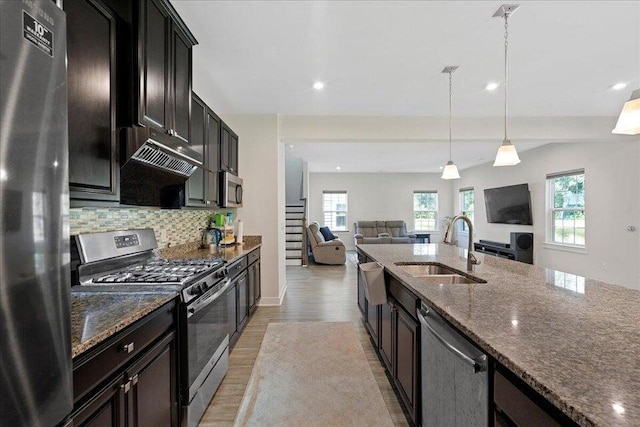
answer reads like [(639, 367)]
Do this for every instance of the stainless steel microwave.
[(231, 193)]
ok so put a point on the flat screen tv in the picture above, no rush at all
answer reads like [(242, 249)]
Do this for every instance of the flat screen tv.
[(508, 205)]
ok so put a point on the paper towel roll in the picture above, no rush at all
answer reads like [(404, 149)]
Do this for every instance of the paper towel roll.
[(239, 232)]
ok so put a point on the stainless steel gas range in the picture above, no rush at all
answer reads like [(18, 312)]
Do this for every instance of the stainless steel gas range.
[(129, 261)]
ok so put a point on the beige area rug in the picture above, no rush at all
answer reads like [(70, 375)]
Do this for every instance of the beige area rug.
[(312, 374)]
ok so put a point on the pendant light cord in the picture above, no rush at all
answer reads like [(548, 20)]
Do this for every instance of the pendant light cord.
[(450, 100), (506, 70)]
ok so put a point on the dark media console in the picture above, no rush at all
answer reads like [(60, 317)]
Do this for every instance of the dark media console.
[(519, 249)]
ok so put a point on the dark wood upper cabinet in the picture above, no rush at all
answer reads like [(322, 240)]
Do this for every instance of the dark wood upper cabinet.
[(153, 56), (181, 84), (233, 153), (212, 158), (224, 147), (196, 184), (202, 186), (164, 68), (91, 85)]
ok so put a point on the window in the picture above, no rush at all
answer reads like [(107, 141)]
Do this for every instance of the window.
[(565, 208), (466, 205), (334, 208), (425, 210)]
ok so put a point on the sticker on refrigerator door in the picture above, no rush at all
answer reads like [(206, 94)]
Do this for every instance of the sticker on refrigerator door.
[(37, 34)]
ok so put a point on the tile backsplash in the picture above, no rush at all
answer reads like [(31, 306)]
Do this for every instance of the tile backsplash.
[(179, 226)]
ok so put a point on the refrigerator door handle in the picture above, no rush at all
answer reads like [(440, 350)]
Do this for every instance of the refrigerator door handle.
[(478, 365)]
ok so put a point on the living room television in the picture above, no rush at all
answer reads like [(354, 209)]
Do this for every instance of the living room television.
[(509, 205)]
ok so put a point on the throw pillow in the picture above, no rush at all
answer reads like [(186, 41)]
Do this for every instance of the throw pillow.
[(327, 234)]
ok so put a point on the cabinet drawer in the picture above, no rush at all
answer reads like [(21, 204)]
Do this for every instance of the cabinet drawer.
[(517, 406), (254, 256), (404, 297), (235, 268), (99, 363)]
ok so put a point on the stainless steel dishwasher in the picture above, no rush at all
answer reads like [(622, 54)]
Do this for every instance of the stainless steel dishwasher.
[(454, 376)]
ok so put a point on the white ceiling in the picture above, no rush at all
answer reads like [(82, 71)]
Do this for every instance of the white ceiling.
[(386, 58)]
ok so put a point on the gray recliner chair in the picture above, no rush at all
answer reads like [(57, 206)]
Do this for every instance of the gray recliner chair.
[(367, 232), (325, 252)]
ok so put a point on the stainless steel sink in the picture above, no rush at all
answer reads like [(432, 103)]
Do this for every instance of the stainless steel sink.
[(419, 270), (437, 274)]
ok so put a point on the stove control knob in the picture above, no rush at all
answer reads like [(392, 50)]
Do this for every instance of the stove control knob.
[(219, 274), (192, 310)]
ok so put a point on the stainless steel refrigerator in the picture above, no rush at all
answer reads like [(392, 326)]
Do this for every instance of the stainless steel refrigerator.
[(35, 348)]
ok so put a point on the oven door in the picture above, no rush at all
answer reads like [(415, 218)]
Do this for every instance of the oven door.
[(207, 334)]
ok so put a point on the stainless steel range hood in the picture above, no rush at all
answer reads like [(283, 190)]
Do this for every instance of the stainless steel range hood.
[(154, 168), (159, 150)]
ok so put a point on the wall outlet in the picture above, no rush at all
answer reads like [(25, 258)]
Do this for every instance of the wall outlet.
[(604, 265), (164, 235)]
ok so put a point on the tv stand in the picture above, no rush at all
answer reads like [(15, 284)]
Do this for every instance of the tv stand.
[(501, 250), (506, 250)]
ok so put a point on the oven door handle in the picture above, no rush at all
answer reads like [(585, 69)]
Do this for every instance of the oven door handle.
[(205, 302)]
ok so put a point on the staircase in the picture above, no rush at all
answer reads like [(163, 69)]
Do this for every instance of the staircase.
[(296, 234)]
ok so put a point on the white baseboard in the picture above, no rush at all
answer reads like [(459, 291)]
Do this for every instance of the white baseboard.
[(273, 301)]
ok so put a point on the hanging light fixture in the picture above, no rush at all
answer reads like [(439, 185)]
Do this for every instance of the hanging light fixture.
[(629, 120), (507, 154), (450, 170)]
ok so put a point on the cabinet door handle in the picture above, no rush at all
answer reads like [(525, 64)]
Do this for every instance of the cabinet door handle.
[(126, 386), (128, 348), (134, 379)]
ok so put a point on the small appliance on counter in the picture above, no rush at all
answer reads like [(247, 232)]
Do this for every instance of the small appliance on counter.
[(129, 261)]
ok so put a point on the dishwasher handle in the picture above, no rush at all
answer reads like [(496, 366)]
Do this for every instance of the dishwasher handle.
[(478, 365)]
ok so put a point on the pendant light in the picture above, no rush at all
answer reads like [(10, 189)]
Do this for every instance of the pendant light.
[(507, 154), (450, 170), (629, 120)]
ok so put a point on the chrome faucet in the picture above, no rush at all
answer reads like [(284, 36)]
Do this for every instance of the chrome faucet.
[(471, 258)]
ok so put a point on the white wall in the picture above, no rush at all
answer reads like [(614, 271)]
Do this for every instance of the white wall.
[(378, 196), (294, 170), (261, 165), (612, 182)]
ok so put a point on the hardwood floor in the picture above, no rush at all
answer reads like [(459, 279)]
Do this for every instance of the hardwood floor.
[(314, 293)]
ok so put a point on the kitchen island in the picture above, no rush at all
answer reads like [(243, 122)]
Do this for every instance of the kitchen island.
[(575, 341)]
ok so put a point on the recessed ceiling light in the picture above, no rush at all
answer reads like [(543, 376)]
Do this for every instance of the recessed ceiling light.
[(441, 167), (318, 85), (514, 322), (338, 168), (291, 146), (619, 86), (618, 408), (492, 86)]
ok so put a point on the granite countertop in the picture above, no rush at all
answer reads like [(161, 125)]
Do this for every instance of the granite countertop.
[(574, 340), (96, 316), (228, 254)]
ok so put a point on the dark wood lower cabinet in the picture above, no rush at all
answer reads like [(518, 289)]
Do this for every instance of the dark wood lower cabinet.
[(106, 409), (372, 321), (254, 285), (395, 332), (243, 300), (132, 378), (406, 369), (361, 295), (386, 334), (232, 302), (153, 379)]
